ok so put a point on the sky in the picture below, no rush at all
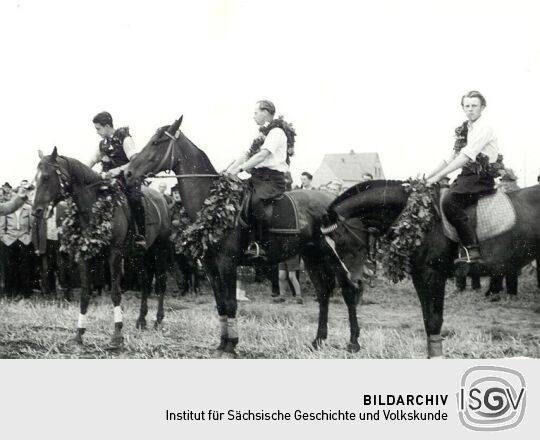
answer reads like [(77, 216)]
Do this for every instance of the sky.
[(383, 76)]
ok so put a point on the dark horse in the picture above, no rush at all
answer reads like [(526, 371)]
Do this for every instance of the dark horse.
[(58, 176), (170, 149), (375, 205)]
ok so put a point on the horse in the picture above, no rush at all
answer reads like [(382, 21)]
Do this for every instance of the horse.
[(170, 149), (370, 208), (57, 177)]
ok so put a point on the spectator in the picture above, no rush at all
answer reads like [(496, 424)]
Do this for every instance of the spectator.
[(306, 179), (287, 273), (15, 231), (334, 186)]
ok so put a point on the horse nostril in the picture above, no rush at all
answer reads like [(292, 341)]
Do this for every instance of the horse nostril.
[(128, 174)]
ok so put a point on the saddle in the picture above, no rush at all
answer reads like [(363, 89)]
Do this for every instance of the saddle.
[(152, 216), (492, 216), (281, 213)]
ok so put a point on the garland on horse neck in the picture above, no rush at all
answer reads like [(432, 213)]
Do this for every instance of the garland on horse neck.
[(278, 122), (215, 219), (84, 242), (407, 233)]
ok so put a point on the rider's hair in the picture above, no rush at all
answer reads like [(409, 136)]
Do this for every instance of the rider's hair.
[(474, 94), (268, 106), (308, 175), (103, 118)]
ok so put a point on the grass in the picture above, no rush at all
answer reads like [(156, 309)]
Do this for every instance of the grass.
[(390, 319)]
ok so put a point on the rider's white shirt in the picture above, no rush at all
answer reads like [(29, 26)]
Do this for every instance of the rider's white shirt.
[(276, 143), (481, 138)]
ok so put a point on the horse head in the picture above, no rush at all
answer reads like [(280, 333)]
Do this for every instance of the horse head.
[(363, 211), (50, 178), (350, 240), (157, 155)]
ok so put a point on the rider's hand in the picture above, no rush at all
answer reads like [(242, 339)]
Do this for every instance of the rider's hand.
[(176, 222), (105, 175), (22, 192)]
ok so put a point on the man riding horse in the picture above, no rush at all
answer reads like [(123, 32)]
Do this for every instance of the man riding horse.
[(115, 151), (476, 152), (267, 161)]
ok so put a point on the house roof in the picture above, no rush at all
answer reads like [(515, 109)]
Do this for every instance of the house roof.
[(350, 166)]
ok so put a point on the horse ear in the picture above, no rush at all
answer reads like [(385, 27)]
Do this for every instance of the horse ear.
[(40, 154), (54, 154), (177, 134)]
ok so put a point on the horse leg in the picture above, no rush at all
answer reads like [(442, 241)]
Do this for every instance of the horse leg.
[(84, 301), (323, 280), (351, 295), (145, 281), (214, 278), (115, 265), (430, 283), (511, 279), (162, 262)]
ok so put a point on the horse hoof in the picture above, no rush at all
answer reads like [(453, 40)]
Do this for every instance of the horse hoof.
[(317, 343), (229, 354), (141, 324), (495, 297), (117, 342), (353, 347), (77, 341), (158, 325)]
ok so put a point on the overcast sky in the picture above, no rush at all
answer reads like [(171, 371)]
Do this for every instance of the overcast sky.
[(384, 76)]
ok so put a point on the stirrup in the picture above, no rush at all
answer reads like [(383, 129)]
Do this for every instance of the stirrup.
[(140, 240), (254, 250)]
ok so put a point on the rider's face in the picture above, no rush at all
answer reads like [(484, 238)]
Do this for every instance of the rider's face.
[(473, 108), (176, 196), (259, 116), (102, 130)]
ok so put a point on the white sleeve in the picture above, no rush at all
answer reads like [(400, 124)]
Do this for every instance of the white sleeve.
[(129, 147), (275, 138)]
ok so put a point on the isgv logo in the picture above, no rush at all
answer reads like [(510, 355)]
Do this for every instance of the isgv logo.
[(491, 398)]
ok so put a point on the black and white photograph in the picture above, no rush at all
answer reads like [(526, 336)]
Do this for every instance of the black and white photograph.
[(270, 180)]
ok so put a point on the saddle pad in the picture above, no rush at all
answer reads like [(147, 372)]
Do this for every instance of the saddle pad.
[(495, 214), (284, 216)]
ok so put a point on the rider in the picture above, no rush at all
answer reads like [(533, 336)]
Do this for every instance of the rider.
[(476, 152), (115, 151), (267, 161)]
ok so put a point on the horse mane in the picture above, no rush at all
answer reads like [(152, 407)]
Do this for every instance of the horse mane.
[(205, 161), (80, 171), (361, 187)]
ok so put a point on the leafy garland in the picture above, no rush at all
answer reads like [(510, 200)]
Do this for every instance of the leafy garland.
[(216, 218), (408, 231), (88, 242), (278, 122)]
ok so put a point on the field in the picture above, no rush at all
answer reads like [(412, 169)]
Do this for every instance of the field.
[(390, 320)]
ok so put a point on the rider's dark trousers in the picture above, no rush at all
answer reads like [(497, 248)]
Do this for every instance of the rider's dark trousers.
[(134, 198), (464, 192), (266, 185)]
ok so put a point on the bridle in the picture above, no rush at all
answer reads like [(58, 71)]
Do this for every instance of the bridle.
[(169, 157), (370, 244)]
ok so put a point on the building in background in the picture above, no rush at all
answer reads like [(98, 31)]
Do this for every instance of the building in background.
[(349, 167)]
